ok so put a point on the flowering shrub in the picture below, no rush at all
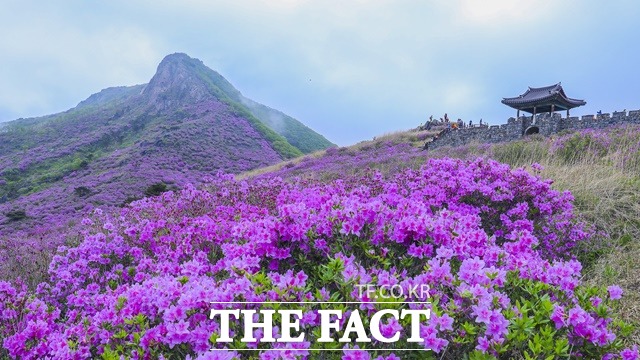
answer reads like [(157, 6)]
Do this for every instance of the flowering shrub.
[(492, 243), (586, 143)]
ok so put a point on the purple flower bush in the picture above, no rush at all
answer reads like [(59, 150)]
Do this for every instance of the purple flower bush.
[(592, 143), (492, 243)]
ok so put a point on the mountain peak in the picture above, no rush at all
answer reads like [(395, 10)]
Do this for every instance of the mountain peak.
[(178, 56), (179, 78), (179, 59)]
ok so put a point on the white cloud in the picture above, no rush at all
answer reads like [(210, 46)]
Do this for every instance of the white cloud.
[(51, 63), (460, 95), (501, 12)]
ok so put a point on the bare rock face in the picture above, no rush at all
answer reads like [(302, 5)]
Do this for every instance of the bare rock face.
[(177, 80)]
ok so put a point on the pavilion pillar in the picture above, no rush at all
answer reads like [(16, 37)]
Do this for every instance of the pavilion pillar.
[(518, 114), (567, 113), (533, 118), (553, 109)]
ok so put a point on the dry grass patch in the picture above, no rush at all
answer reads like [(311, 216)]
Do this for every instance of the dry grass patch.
[(608, 198), (621, 266), (278, 166), (414, 137)]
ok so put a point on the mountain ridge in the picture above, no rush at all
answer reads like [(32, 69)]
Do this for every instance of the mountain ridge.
[(281, 123), (185, 124)]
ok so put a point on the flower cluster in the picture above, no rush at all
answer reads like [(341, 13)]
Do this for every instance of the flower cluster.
[(491, 243)]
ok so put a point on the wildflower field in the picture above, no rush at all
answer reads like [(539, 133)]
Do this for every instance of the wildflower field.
[(501, 248)]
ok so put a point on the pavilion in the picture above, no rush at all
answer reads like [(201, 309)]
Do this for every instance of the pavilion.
[(542, 100)]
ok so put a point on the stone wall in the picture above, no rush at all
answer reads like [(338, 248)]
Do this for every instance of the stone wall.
[(546, 125)]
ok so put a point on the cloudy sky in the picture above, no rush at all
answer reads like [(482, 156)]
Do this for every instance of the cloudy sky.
[(351, 70)]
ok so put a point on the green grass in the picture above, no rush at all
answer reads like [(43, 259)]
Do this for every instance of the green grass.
[(39, 176), (214, 83)]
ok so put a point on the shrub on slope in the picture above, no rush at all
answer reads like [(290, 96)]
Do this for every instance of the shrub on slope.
[(600, 167)]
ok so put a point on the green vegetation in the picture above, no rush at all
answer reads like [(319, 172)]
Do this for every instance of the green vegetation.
[(290, 140), (296, 133), (36, 177), (82, 191), (156, 189), (279, 143), (38, 173), (16, 215), (579, 146), (57, 169)]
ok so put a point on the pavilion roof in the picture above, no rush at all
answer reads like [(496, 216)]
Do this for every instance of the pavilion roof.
[(542, 98)]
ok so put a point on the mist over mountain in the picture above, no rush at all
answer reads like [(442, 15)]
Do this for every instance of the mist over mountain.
[(186, 123)]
